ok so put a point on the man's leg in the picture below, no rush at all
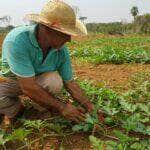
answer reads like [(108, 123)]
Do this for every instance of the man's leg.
[(10, 105), (51, 81)]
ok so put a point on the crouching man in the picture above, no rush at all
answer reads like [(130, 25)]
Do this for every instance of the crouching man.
[(37, 62)]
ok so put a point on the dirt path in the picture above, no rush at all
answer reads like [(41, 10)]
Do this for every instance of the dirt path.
[(113, 76)]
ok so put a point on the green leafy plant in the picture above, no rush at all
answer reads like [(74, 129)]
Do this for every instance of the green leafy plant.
[(96, 143), (112, 50), (36, 124), (3, 139), (19, 134)]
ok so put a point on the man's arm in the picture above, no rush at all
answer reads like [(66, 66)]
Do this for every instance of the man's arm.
[(38, 94), (78, 94), (45, 99)]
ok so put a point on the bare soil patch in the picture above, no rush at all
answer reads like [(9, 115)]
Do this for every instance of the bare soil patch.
[(113, 76)]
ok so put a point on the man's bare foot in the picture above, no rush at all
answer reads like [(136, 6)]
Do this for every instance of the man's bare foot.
[(7, 121), (6, 124)]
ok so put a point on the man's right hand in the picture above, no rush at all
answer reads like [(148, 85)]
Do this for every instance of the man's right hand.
[(72, 113)]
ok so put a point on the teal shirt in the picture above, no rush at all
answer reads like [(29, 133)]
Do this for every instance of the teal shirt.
[(22, 56)]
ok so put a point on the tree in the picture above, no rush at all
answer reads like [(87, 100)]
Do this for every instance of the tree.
[(5, 20), (143, 23), (82, 19), (134, 11), (76, 9)]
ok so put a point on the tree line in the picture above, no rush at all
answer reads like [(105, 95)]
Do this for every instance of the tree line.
[(141, 24)]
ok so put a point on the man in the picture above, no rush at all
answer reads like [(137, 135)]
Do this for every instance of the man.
[(37, 57)]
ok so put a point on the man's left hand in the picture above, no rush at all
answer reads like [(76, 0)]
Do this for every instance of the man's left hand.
[(78, 94)]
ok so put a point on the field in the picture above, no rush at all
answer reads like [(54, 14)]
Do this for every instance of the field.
[(114, 71)]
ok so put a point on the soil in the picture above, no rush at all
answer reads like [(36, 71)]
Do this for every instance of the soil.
[(113, 76), (71, 141)]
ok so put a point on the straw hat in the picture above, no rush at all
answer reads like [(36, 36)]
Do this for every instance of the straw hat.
[(59, 16)]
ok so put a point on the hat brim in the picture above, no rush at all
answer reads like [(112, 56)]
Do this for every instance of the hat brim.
[(78, 30)]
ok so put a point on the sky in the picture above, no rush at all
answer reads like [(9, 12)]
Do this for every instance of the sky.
[(94, 10)]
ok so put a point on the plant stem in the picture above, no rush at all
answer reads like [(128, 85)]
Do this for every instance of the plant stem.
[(112, 137), (48, 119)]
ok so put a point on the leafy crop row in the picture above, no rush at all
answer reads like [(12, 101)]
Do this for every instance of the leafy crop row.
[(113, 50)]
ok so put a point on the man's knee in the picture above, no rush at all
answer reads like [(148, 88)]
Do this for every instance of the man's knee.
[(9, 87), (9, 102), (50, 81), (10, 106)]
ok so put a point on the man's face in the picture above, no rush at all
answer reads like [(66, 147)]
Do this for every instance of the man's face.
[(55, 38)]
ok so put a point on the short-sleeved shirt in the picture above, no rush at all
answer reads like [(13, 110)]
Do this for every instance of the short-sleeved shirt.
[(22, 56)]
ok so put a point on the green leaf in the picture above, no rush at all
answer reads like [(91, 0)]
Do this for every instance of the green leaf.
[(96, 143), (77, 128), (137, 146), (19, 134)]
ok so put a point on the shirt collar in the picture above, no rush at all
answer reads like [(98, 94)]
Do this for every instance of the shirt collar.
[(32, 36)]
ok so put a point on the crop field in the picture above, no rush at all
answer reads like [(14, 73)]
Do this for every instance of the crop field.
[(114, 72), (113, 50)]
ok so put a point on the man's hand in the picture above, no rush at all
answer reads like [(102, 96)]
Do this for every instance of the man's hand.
[(78, 94), (38, 94), (72, 113)]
